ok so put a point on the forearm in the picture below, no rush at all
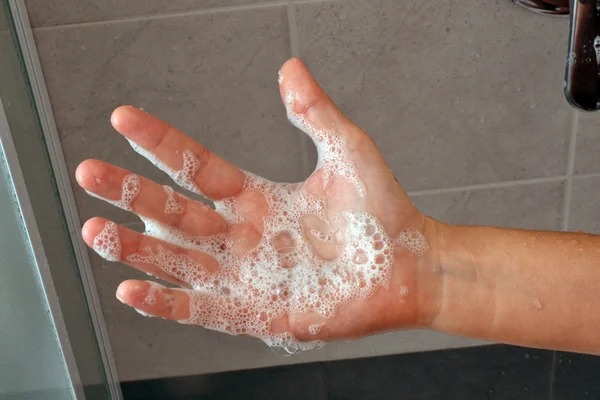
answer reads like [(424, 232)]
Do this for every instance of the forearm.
[(538, 289)]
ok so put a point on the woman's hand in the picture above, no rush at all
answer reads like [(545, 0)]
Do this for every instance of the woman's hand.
[(343, 254)]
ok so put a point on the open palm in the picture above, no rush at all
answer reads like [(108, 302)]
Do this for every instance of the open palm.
[(340, 255)]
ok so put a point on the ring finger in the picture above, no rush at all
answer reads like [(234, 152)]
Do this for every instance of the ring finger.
[(166, 261)]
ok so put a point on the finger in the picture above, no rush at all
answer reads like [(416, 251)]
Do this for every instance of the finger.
[(209, 310), (153, 299), (156, 257), (148, 199), (309, 107), (340, 143), (189, 163), (344, 148)]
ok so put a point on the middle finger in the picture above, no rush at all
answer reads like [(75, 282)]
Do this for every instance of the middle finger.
[(148, 199)]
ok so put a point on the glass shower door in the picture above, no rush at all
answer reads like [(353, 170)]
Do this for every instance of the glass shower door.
[(51, 342), (32, 365)]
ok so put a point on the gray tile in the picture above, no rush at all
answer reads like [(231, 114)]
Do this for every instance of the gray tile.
[(585, 205), (49, 13), (454, 94), (587, 160), (213, 76), (528, 206)]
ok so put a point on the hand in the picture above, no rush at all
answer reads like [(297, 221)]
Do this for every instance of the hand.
[(342, 255)]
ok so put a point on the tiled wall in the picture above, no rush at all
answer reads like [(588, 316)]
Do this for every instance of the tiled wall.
[(464, 99)]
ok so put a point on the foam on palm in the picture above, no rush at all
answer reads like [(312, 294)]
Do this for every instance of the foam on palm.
[(250, 290)]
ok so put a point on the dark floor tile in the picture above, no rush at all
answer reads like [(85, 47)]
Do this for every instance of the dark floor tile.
[(489, 372), (305, 381), (577, 376)]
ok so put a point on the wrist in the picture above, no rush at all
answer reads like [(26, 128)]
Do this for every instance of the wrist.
[(429, 277), (466, 288)]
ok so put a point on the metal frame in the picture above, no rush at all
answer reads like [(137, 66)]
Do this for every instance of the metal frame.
[(534, 6), (50, 132)]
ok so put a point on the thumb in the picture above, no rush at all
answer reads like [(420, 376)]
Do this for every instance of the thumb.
[(344, 148), (310, 109)]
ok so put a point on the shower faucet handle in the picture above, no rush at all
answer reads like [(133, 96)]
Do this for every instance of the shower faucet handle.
[(582, 78)]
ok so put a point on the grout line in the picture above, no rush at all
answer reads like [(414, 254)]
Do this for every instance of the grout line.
[(552, 375), (570, 169), (185, 13), (487, 186), (590, 175), (215, 10)]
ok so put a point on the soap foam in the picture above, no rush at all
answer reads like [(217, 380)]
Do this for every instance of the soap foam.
[(142, 313), (129, 191), (107, 243), (179, 266), (323, 236), (414, 241), (183, 177), (403, 290), (150, 298), (172, 206), (315, 329), (250, 291), (332, 154)]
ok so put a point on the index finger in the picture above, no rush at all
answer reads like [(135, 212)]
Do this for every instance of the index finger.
[(188, 163)]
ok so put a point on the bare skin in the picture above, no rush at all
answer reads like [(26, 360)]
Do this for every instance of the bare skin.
[(534, 289)]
